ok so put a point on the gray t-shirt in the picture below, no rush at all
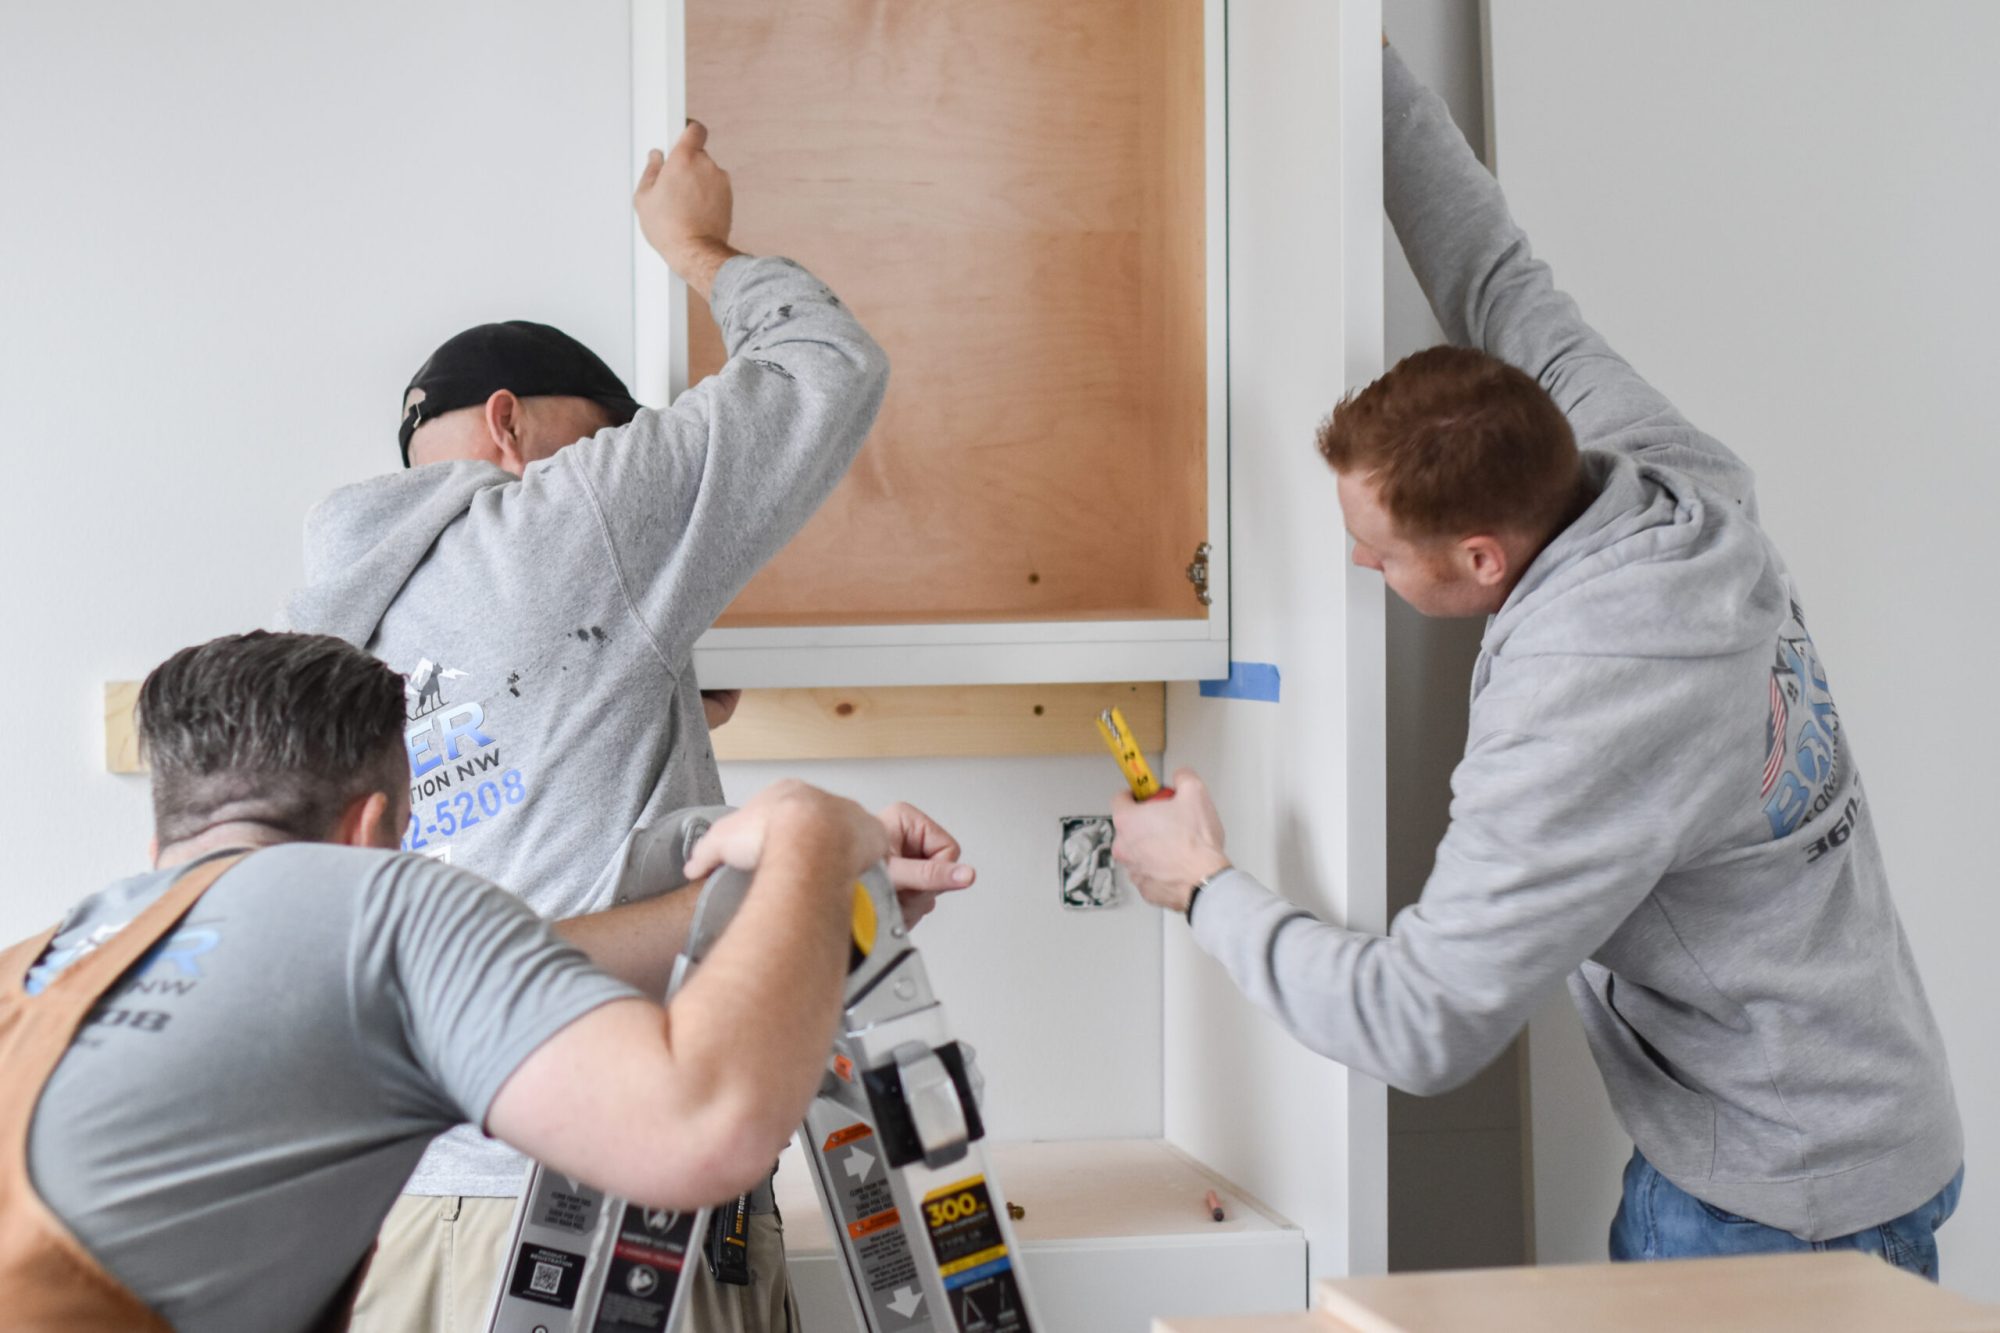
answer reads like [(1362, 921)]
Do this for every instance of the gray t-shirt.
[(230, 1127)]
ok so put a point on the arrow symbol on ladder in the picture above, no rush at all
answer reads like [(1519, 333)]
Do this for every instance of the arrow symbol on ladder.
[(905, 1301), (859, 1164)]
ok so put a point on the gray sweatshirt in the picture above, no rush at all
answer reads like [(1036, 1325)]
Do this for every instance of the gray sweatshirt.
[(1658, 799), (546, 622)]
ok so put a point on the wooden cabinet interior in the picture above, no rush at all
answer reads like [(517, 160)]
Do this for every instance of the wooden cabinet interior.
[(1012, 198)]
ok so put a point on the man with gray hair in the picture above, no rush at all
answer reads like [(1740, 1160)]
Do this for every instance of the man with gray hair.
[(219, 1072), (541, 571)]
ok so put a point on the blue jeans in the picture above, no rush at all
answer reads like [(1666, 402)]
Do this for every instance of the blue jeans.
[(1657, 1219)]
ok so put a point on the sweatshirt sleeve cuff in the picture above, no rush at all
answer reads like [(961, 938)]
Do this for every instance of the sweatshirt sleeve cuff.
[(753, 292), (1223, 906), (729, 282)]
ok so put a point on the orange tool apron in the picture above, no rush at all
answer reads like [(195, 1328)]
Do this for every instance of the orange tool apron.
[(51, 1282)]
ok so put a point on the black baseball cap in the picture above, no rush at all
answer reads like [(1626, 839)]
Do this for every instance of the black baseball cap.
[(529, 360)]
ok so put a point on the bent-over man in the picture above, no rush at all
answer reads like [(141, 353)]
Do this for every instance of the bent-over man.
[(216, 1075)]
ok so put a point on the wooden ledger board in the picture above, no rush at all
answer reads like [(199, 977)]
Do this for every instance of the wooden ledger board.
[(1011, 197), (907, 723)]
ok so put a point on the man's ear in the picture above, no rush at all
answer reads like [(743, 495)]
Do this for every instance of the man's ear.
[(1484, 559), (365, 823), (502, 415), (153, 850)]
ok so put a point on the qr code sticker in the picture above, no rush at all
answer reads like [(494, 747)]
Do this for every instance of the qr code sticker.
[(547, 1279)]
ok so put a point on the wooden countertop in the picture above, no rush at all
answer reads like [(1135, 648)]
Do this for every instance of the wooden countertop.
[(1801, 1293)]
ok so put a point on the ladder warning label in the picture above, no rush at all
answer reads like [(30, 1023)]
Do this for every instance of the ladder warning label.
[(647, 1257), (566, 1210), (972, 1259), (854, 1168)]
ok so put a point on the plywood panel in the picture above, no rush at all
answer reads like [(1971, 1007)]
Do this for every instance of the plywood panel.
[(1012, 197)]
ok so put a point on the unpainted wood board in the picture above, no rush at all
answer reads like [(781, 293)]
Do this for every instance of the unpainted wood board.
[(1787, 1293), (909, 722), (1012, 198), (920, 721), (121, 731)]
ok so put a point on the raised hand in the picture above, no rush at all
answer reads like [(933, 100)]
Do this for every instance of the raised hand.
[(923, 860), (685, 205)]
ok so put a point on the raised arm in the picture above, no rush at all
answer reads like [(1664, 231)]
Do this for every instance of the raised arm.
[(1489, 291), (690, 501), (1521, 893), (637, 942), (1550, 848)]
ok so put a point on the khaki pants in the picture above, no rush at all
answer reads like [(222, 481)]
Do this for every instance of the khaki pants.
[(438, 1264)]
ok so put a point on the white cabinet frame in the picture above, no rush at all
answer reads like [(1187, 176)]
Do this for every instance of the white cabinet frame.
[(1007, 652)]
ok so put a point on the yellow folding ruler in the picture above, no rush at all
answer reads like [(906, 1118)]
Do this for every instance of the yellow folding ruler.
[(1125, 749)]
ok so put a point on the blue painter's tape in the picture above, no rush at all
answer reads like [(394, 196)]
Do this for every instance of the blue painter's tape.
[(1247, 680)]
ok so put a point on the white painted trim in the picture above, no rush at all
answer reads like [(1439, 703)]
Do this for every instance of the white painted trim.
[(1215, 183), (761, 665), (969, 634), (659, 109), (1366, 814), (997, 653), (1016, 653)]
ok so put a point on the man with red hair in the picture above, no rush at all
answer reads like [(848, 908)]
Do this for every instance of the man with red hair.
[(1658, 798)]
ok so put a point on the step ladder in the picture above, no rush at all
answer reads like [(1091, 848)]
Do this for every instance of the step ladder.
[(894, 1140)]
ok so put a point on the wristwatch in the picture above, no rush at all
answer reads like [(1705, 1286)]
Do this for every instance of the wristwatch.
[(1194, 894)]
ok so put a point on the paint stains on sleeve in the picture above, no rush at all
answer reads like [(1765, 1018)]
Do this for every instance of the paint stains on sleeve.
[(592, 634), (514, 683)]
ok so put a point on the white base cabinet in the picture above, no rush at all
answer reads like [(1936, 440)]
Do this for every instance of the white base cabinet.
[(1116, 1233)]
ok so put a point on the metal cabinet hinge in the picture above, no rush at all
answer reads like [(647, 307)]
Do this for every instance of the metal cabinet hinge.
[(1197, 574)]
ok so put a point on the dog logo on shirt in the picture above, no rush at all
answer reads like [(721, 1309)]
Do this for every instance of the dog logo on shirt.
[(423, 689)]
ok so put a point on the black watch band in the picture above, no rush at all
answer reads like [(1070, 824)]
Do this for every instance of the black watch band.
[(1194, 894)]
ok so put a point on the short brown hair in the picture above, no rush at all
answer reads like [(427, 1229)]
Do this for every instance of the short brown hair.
[(280, 729), (1457, 442)]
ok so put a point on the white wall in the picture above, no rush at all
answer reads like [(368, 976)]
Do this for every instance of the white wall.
[(1063, 1006), (1299, 782), (1783, 214), (230, 233)]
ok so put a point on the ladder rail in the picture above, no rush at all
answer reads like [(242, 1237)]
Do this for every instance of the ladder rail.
[(895, 1143)]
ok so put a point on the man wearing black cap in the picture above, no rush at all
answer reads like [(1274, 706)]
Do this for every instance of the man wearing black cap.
[(540, 572)]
